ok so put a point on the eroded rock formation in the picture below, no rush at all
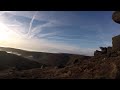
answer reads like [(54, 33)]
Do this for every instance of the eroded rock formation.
[(110, 51), (116, 43), (116, 17), (115, 49)]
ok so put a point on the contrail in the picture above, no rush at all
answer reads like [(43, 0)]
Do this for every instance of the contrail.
[(38, 29), (31, 22)]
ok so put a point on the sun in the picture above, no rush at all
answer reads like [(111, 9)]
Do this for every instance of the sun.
[(8, 37), (3, 32), (3, 37)]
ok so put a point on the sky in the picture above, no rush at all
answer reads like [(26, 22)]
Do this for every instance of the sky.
[(76, 32)]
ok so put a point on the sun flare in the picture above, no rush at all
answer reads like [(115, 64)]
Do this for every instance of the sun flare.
[(7, 34), (3, 32)]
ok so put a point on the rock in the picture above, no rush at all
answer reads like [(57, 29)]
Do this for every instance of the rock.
[(113, 51), (109, 50), (116, 43), (116, 17), (103, 50), (61, 66), (41, 67), (118, 52), (76, 61), (56, 67), (97, 53), (114, 54)]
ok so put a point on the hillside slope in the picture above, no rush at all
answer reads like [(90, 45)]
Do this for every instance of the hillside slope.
[(10, 60), (50, 59)]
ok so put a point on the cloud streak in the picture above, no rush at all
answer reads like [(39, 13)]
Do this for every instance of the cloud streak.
[(31, 22), (38, 29)]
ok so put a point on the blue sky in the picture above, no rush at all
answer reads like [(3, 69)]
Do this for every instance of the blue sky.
[(79, 32)]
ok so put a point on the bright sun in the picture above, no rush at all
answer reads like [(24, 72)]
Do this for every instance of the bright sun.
[(10, 33), (4, 35), (8, 37)]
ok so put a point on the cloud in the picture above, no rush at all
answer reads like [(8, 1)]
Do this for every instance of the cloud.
[(31, 22), (48, 34), (35, 31)]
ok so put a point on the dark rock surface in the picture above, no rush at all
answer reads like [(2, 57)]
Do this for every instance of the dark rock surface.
[(116, 43), (109, 50), (116, 17), (97, 53), (103, 50)]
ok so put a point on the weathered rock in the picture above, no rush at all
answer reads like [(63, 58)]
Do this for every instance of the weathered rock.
[(116, 43), (97, 53), (116, 17), (76, 61), (103, 50), (118, 52), (109, 50), (114, 54), (61, 66)]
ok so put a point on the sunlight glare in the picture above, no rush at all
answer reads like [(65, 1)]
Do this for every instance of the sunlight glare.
[(3, 32)]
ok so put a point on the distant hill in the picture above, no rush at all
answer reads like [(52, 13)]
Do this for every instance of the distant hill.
[(8, 60), (50, 59)]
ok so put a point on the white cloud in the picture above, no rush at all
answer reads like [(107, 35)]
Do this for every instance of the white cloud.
[(39, 28), (31, 22)]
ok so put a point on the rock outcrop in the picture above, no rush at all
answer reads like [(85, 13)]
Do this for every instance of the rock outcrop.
[(116, 43), (110, 51), (104, 51), (97, 53), (116, 17), (113, 51)]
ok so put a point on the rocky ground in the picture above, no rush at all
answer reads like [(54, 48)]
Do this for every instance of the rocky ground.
[(94, 68)]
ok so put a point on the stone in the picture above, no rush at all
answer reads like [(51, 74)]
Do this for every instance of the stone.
[(118, 52), (116, 43), (103, 50), (61, 66), (97, 53), (116, 17), (109, 50), (76, 61), (114, 54)]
